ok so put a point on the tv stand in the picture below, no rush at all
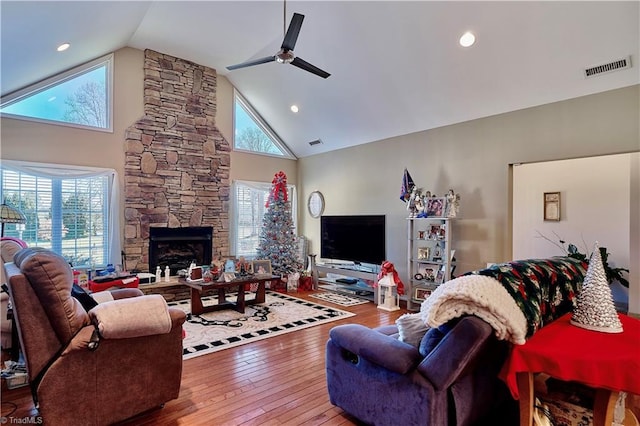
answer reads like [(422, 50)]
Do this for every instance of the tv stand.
[(348, 270)]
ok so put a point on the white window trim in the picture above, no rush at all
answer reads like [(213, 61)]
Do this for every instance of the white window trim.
[(63, 77), (233, 231), (237, 97)]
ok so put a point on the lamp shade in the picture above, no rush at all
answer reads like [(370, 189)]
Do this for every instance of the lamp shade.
[(10, 214)]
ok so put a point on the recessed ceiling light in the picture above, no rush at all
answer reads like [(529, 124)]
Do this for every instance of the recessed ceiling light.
[(63, 47), (467, 39), (294, 108)]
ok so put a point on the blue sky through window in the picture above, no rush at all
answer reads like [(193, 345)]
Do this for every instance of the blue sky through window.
[(243, 121), (50, 104), (249, 135)]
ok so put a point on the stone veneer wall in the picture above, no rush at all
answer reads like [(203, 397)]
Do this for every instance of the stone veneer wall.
[(177, 161)]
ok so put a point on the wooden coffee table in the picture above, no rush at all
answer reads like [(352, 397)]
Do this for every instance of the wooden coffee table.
[(238, 285)]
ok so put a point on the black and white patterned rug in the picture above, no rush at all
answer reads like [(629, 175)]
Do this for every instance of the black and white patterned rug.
[(339, 299), (280, 314)]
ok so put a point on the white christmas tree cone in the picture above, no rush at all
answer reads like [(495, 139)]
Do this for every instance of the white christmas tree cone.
[(595, 309)]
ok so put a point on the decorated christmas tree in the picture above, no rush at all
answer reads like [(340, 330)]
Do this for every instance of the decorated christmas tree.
[(277, 237)]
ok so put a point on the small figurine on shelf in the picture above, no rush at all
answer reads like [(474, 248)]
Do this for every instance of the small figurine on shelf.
[(424, 200), (453, 203), (167, 273), (412, 205), (437, 253), (419, 206)]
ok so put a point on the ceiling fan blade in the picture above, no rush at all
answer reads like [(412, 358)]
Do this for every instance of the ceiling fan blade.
[(291, 37), (301, 63), (253, 62)]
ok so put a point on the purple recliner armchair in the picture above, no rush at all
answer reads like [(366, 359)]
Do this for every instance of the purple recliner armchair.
[(451, 379)]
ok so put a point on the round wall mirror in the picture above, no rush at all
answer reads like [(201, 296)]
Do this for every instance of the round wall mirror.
[(315, 204)]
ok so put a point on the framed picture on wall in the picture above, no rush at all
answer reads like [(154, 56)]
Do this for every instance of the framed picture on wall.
[(552, 206)]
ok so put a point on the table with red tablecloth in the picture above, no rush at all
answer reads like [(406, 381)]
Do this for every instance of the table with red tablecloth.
[(608, 362), (128, 282)]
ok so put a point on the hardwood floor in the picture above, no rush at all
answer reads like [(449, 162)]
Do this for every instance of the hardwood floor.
[(277, 381)]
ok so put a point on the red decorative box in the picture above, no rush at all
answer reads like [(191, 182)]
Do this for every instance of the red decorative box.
[(306, 283), (130, 282)]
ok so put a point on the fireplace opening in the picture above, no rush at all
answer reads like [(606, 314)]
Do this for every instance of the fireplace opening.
[(178, 247)]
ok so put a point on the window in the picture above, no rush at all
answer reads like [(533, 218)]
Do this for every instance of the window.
[(80, 97), (251, 132), (68, 210), (249, 206)]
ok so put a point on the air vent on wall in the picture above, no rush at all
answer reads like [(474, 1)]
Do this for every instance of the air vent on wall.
[(316, 142), (617, 65)]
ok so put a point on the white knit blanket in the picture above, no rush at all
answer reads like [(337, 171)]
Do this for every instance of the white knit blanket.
[(476, 295)]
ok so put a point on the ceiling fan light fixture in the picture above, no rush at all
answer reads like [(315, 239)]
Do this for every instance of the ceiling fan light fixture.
[(467, 39), (285, 56)]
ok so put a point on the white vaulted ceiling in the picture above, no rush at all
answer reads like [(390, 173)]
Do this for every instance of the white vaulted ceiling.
[(396, 67)]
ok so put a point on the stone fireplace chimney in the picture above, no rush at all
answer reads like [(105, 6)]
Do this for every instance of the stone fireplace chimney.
[(177, 161)]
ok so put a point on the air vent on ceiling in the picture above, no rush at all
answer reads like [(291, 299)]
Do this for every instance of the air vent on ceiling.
[(316, 142), (617, 65)]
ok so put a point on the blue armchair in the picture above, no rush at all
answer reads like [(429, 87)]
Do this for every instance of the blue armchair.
[(451, 379)]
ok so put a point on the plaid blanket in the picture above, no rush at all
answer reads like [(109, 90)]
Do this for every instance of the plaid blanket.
[(544, 289)]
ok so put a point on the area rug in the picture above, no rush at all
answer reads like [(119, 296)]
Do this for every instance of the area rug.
[(280, 314), (339, 299)]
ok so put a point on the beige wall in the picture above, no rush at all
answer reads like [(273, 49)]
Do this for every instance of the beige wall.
[(474, 159), (31, 141)]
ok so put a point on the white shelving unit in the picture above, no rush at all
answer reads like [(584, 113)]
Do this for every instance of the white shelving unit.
[(429, 257)]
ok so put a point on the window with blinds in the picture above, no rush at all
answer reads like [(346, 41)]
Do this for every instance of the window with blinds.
[(249, 199), (68, 216)]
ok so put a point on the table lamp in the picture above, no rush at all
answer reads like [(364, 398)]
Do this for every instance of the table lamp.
[(10, 214)]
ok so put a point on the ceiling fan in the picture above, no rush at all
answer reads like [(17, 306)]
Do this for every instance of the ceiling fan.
[(286, 55)]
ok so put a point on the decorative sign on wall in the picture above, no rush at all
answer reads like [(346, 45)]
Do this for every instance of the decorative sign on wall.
[(552, 206)]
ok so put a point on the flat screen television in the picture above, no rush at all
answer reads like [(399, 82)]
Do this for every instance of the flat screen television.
[(358, 239)]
